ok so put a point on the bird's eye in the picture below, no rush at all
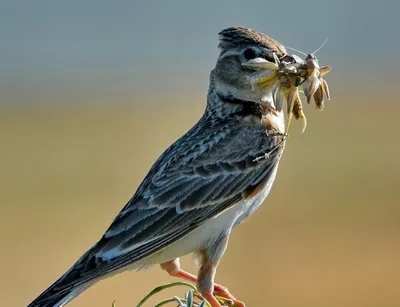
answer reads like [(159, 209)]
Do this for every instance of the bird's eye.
[(249, 54)]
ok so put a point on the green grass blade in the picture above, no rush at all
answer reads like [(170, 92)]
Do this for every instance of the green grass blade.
[(170, 300), (189, 298), (163, 287)]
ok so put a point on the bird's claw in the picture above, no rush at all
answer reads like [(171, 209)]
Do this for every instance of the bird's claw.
[(222, 294)]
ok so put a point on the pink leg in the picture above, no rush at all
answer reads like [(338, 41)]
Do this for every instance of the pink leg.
[(206, 273), (211, 299), (173, 269), (224, 292)]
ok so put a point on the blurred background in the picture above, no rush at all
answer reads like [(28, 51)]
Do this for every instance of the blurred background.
[(92, 92)]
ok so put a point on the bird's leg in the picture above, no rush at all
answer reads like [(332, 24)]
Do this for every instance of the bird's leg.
[(173, 268), (205, 284), (205, 281), (208, 259)]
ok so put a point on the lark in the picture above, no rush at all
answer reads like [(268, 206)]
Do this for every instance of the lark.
[(204, 185)]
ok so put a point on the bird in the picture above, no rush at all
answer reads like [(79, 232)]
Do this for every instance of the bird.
[(204, 185)]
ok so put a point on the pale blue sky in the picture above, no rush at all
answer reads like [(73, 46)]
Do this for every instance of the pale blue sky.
[(73, 51)]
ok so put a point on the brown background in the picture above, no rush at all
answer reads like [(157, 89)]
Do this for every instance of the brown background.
[(328, 235), (92, 92)]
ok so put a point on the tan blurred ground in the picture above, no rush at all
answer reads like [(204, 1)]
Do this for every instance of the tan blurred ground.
[(327, 236)]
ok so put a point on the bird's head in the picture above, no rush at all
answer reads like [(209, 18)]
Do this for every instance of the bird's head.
[(246, 68)]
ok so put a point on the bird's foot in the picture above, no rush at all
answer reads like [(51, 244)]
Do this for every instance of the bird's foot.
[(221, 291)]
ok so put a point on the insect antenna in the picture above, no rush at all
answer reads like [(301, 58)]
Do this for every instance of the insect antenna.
[(303, 53), (326, 40), (296, 50)]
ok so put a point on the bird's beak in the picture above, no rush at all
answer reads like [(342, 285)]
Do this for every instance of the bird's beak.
[(261, 63), (265, 75)]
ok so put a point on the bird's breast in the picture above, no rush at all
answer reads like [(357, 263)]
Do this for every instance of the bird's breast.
[(249, 205), (273, 121)]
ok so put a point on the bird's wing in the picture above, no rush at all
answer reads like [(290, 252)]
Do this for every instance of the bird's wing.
[(208, 170)]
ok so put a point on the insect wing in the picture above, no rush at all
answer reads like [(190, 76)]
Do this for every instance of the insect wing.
[(298, 59)]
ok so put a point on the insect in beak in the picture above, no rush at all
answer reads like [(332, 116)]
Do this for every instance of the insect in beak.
[(292, 72), (266, 71)]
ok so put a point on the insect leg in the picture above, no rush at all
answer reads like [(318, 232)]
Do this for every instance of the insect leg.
[(324, 70), (325, 89), (292, 96)]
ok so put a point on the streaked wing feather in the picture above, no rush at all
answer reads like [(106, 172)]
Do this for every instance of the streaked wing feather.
[(206, 171)]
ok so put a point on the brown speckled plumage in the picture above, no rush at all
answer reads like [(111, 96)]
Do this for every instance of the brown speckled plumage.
[(201, 187), (240, 36)]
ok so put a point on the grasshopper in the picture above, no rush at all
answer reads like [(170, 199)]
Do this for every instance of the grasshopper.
[(294, 72)]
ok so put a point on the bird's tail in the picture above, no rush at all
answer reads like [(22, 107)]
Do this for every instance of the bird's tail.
[(68, 286), (53, 298)]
